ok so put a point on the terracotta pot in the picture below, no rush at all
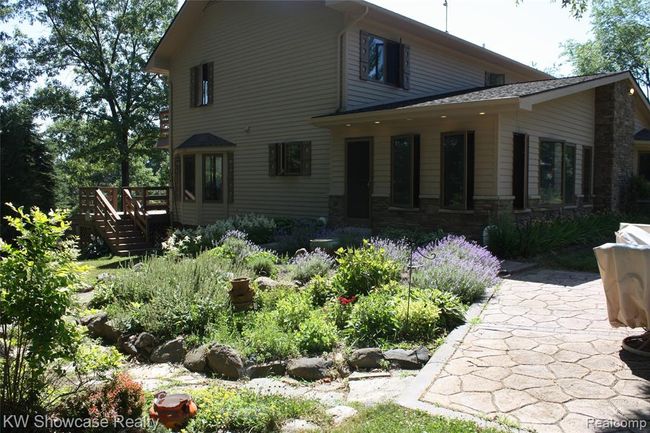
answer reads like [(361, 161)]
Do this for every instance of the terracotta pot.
[(240, 286), (173, 410)]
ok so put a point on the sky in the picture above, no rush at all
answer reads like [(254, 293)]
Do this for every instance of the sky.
[(530, 32)]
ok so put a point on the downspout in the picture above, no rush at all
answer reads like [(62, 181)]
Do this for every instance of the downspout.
[(340, 80)]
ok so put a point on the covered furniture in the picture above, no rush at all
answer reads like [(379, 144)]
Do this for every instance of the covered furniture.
[(625, 270)]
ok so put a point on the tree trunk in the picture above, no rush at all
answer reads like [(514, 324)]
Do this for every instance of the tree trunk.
[(125, 170), (124, 158)]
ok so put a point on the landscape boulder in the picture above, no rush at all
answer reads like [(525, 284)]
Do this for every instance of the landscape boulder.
[(266, 283), (145, 343), (196, 359), (99, 326), (299, 426), (369, 357), (341, 414), (172, 351), (400, 358), (225, 361), (126, 345), (309, 368), (276, 368), (423, 354)]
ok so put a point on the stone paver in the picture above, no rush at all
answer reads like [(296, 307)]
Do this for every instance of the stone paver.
[(543, 355)]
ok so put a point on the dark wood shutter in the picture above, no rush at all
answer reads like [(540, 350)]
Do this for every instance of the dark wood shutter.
[(193, 83), (273, 159), (231, 176), (405, 70), (177, 178), (305, 158), (210, 82), (364, 55)]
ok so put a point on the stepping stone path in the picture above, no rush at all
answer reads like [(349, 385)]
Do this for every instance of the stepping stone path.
[(544, 356)]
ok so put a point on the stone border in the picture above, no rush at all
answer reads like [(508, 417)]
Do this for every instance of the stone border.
[(410, 398)]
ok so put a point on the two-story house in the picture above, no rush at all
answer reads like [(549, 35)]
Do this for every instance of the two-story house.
[(347, 110)]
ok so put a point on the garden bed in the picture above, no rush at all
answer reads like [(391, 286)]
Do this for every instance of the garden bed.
[(314, 316)]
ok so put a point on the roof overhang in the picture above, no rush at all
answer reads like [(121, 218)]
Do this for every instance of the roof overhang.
[(415, 112)]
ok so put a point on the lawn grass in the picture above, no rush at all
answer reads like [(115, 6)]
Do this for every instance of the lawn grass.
[(107, 264), (389, 417), (581, 259)]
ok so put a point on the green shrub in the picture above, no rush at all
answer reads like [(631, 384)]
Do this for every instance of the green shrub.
[(230, 409), (265, 339), (307, 266), (234, 247), (263, 263), (258, 227), (418, 320), (320, 290), (338, 313), (373, 319), (362, 269), (316, 334), (293, 308)]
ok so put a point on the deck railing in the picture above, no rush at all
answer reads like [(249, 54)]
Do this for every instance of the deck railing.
[(136, 211), (106, 216), (150, 198)]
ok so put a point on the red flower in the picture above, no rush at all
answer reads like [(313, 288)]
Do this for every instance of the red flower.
[(345, 301)]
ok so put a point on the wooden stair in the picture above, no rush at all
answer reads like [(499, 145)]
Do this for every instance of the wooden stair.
[(128, 240)]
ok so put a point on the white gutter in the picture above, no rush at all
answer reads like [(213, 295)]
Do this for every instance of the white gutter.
[(340, 80)]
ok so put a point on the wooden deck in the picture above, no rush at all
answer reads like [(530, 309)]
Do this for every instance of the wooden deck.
[(126, 218)]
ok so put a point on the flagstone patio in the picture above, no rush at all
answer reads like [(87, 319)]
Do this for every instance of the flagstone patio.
[(543, 356)]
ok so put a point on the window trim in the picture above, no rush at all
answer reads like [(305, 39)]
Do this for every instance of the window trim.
[(468, 205), (414, 147), (564, 144), (280, 154), (183, 157), (204, 156), (403, 61), (197, 80)]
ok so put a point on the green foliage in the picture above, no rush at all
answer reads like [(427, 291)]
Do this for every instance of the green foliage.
[(418, 320), (338, 313), (292, 309), (265, 337), (229, 409), (362, 269), (621, 30), (37, 278), (307, 266), (529, 238), (320, 290), (373, 320), (92, 358), (316, 334), (259, 228), (263, 263), (117, 402)]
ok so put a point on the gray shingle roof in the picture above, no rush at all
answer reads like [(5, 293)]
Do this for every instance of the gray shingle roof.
[(480, 94), (204, 140)]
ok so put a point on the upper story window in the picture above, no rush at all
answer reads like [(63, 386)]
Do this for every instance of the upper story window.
[(494, 79), (384, 61), (290, 159), (201, 84)]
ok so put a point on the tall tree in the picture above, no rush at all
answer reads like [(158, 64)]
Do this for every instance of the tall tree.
[(621, 40), (107, 43)]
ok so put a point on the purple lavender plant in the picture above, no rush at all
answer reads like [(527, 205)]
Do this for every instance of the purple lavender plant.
[(398, 251), (456, 265), (306, 266)]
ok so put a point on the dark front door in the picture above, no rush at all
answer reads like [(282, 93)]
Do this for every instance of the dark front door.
[(519, 172), (358, 178)]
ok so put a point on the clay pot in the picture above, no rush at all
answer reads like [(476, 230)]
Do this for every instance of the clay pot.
[(241, 294), (240, 286), (173, 410)]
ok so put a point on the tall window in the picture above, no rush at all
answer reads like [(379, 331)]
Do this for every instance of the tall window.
[(201, 84), (644, 164), (587, 174), (290, 159), (405, 171), (213, 177), (384, 60), (189, 178), (557, 163), (458, 170)]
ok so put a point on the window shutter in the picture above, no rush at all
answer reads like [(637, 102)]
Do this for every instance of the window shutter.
[(231, 177), (273, 159), (193, 83), (364, 55), (305, 158), (210, 82), (405, 70)]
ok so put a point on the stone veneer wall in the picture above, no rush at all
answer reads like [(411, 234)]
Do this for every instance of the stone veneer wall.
[(614, 145)]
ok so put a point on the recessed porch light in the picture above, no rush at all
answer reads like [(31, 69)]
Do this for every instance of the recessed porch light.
[(377, 122), (443, 117), (631, 91), (482, 113), (348, 124)]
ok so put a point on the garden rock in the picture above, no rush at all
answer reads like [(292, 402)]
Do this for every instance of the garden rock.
[(196, 359), (172, 351), (309, 368), (145, 343), (126, 345), (406, 359), (105, 276), (340, 414), (369, 357), (298, 425), (423, 354), (85, 288), (100, 327), (266, 283), (225, 361), (277, 368)]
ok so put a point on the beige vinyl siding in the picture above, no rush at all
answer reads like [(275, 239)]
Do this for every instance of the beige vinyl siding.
[(274, 69), (434, 69), (570, 118), (430, 137)]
